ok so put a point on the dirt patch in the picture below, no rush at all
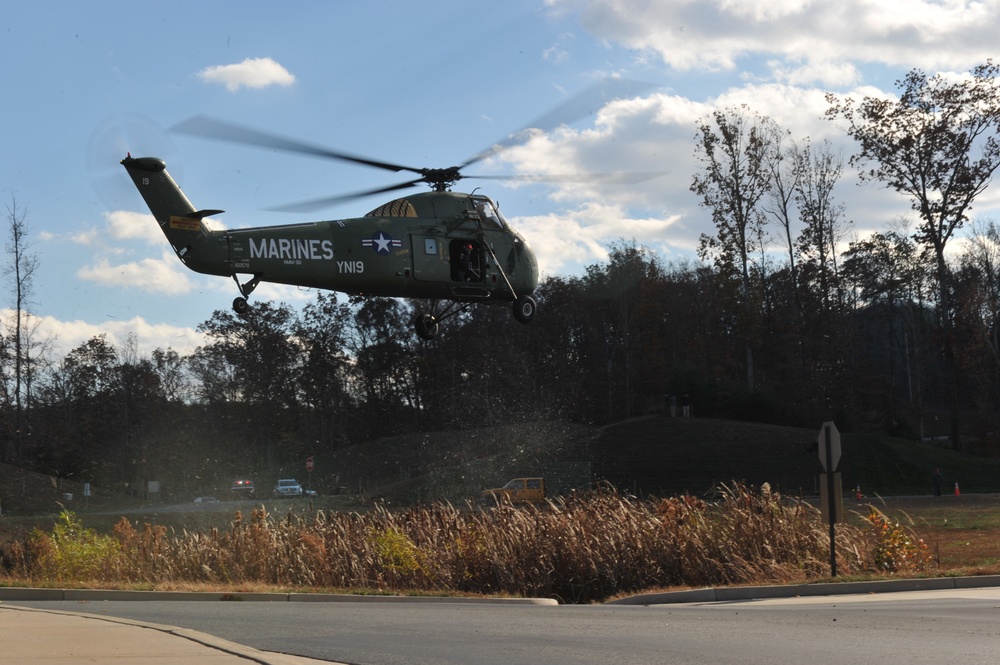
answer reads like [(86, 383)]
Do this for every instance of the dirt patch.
[(962, 531)]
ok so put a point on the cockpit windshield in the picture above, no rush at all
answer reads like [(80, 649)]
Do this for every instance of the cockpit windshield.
[(489, 214)]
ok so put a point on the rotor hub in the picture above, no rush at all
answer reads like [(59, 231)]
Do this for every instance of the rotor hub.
[(441, 179)]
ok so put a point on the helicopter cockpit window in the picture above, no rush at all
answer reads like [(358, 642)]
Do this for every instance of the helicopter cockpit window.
[(489, 214)]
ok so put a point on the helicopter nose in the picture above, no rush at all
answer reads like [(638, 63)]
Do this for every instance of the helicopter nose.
[(530, 275)]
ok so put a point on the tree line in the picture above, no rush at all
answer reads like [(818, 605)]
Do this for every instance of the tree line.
[(787, 318)]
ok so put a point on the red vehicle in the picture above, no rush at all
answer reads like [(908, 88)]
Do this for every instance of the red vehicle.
[(243, 488)]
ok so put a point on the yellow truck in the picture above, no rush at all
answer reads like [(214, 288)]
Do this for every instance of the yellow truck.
[(518, 490)]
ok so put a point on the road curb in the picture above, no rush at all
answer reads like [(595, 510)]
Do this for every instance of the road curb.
[(14, 594), (722, 594), (705, 595)]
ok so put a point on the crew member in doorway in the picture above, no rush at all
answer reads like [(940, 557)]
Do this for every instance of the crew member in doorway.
[(466, 261)]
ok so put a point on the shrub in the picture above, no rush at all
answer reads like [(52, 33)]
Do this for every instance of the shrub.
[(894, 548), (72, 552)]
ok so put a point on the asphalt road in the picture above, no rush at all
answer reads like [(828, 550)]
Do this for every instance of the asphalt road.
[(953, 626)]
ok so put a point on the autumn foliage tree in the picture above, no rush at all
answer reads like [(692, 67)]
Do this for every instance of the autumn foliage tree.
[(938, 144)]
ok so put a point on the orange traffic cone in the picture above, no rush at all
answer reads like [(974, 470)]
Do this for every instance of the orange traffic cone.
[(857, 492), (957, 493)]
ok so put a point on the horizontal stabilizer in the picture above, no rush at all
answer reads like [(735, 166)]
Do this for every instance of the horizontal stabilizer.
[(202, 214)]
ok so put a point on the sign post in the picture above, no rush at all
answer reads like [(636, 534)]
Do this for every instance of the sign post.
[(829, 456), (309, 472)]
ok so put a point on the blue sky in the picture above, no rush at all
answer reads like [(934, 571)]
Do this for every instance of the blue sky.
[(423, 84)]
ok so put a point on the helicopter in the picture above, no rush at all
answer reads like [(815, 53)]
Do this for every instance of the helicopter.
[(438, 245)]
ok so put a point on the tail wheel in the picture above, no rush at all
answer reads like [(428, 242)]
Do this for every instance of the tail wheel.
[(426, 326), (524, 309)]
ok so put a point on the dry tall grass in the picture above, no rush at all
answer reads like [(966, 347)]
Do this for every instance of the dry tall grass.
[(582, 548)]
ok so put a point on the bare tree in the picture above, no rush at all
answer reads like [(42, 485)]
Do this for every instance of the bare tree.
[(783, 166), (818, 172), (20, 267), (983, 255), (736, 148)]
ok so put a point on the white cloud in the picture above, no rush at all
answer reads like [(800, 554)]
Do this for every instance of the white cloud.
[(715, 34), (251, 73), (164, 275), (85, 237), (119, 225), (581, 237), (126, 225), (837, 74), (657, 133), (558, 53), (640, 135), (280, 293), (787, 55), (64, 336)]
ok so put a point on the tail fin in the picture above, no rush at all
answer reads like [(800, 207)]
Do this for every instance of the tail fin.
[(194, 244)]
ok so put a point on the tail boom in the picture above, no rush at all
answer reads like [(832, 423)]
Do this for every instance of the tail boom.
[(199, 248)]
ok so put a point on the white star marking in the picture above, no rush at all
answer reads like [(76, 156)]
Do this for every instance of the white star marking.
[(383, 243)]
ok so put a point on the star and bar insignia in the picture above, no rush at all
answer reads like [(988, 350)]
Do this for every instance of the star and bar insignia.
[(382, 242)]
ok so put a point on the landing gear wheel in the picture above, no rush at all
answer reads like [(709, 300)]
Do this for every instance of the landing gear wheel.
[(240, 306), (524, 309), (426, 326)]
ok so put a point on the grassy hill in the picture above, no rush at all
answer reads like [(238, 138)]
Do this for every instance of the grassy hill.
[(647, 456), (665, 456), (454, 465), (654, 455), (24, 492)]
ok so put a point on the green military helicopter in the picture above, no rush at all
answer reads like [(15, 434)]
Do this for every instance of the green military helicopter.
[(438, 245)]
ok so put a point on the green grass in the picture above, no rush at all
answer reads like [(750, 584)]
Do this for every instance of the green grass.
[(897, 466), (648, 456)]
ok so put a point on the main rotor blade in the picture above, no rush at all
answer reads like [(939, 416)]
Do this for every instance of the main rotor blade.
[(317, 204), (221, 130), (590, 100), (623, 178)]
